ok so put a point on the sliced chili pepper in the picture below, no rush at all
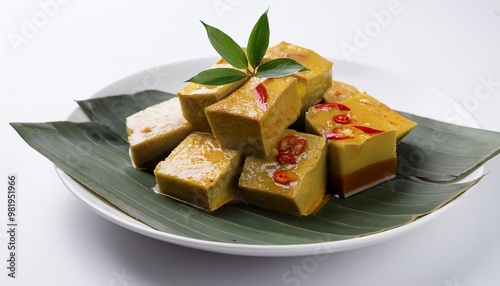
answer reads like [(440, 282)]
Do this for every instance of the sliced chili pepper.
[(286, 143), (261, 95), (325, 106), (286, 158), (299, 146), (367, 129), (336, 134), (342, 118), (284, 177)]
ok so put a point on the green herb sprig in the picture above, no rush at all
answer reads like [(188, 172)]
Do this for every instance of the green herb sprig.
[(246, 64)]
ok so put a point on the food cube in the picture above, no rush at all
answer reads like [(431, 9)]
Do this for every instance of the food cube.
[(340, 91), (252, 117), (361, 146), (155, 131), (291, 179), (196, 97), (311, 83), (199, 172)]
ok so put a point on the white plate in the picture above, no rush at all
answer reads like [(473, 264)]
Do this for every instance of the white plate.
[(396, 90)]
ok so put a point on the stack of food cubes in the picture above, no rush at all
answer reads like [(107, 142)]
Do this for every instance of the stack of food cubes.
[(268, 142)]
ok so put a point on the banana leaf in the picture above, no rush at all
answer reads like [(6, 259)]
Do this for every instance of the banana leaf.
[(113, 110), (441, 152), (433, 151), (97, 157)]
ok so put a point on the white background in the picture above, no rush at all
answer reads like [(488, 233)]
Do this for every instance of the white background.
[(54, 52)]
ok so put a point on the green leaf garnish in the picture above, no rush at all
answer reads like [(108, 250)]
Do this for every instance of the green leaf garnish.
[(258, 41), (218, 76), (279, 68), (229, 50)]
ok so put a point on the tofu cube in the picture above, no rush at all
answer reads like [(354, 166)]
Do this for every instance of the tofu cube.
[(252, 118), (199, 172), (304, 194), (155, 131), (361, 145), (195, 98)]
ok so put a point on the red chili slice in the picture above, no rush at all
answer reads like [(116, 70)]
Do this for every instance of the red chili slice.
[(286, 158), (336, 134), (261, 95), (325, 106), (299, 146), (367, 129), (342, 118), (286, 143), (284, 177)]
